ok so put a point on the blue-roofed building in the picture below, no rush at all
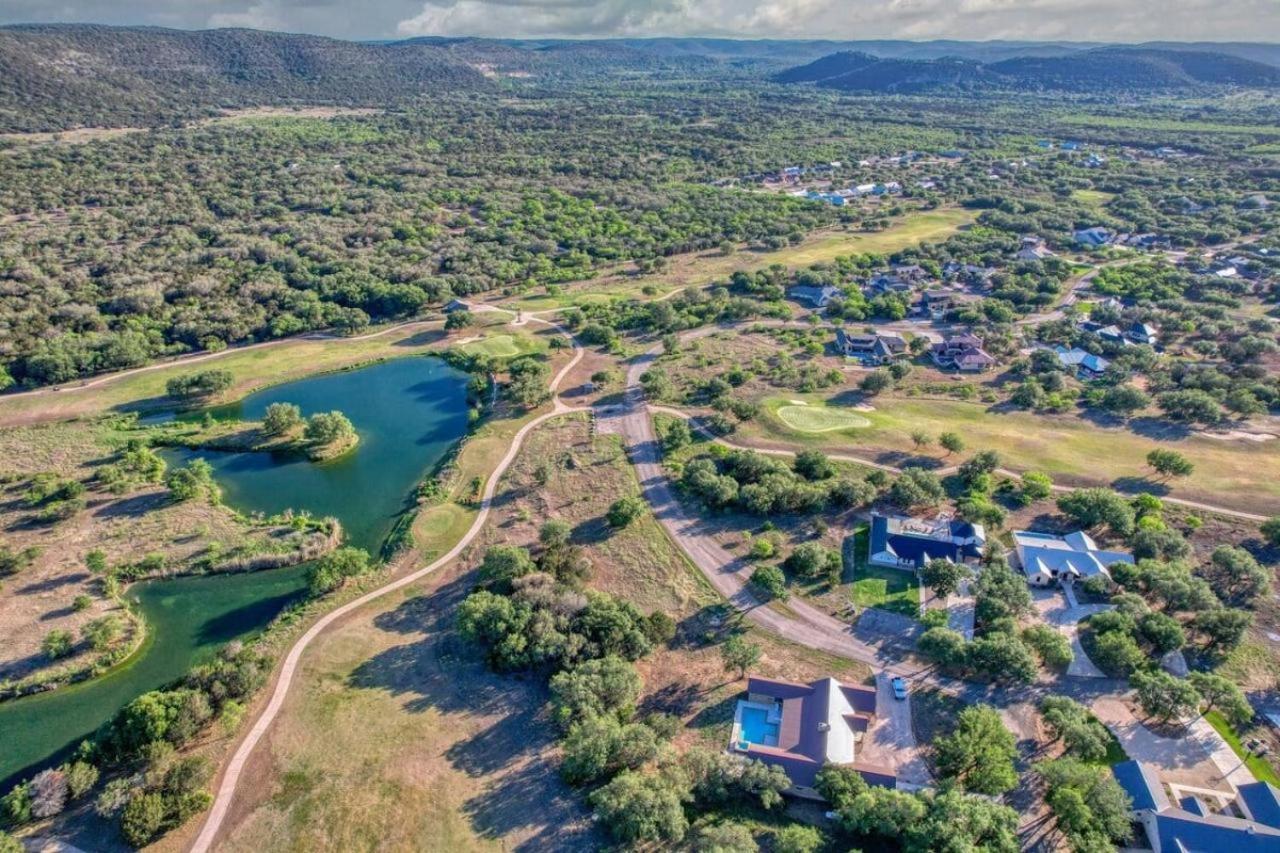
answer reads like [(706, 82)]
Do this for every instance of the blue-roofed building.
[(1190, 826), (1086, 364), (1096, 236), (904, 543), (818, 297)]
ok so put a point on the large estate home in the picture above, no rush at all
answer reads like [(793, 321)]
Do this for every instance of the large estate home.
[(963, 353), (1046, 559), (898, 542), (801, 727), (870, 349)]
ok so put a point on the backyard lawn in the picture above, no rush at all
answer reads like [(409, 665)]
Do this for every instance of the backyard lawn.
[(1259, 767), (872, 586)]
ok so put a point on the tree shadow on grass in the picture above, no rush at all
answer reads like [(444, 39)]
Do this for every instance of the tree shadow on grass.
[(424, 338), (1139, 484)]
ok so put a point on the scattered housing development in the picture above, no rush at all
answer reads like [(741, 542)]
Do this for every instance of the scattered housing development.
[(801, 727), (908, 543), (1046, 559)]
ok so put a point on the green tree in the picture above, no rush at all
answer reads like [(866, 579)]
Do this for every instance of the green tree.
[(281, 418), (1095, 507), (738, 654), (943, 576), (814, 465), (1091, 808), (57, 644), (943, 646), (795, 838), (206, 383), (916, 487), (625, 510), (143, 818), (1036, 486), (1219, 693), (1169, 463), (951, 442), (605, 686), (333, 569), (192, 481), (1271, 530), (1053, 649), (726, 837), (979, 754), (502, 564), (811, 560), (1164, 696), (642, 807), (1080, 732), (770, 582), (325, 428)]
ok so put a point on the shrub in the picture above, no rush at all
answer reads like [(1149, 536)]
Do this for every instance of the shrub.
[(770, 582), (625, 510)]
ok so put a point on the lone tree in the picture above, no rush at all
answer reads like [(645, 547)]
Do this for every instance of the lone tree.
[(738, 654), (1169, 463), (951, 442), (328, 427), (943, 576), (194, 386), (624, 511)]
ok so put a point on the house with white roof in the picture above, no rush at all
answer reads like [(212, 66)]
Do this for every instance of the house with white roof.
[(1046, 558)]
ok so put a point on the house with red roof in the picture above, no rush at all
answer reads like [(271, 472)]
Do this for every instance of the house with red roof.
[(802, 727)]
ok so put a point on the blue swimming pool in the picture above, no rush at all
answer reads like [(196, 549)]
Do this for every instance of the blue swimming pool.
[(756, 727)]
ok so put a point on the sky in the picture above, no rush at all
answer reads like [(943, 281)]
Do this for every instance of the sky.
[(1075, 20)]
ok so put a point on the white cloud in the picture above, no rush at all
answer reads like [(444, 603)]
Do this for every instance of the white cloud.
[(1081, 20)]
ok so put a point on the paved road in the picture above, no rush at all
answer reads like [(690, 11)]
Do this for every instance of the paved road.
[(284, 679)]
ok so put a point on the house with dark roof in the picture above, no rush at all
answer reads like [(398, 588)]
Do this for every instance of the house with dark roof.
[(455, 305), (898, 542), (1142, 333), (802, 727), (963, 353), (870, 349), (1251, 826), (818, 297), (1093, 237)]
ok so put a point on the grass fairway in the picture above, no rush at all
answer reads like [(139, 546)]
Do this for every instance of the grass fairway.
[(1095, 200), (820, 418), (1237, 474), (495, 346), (705, 267)]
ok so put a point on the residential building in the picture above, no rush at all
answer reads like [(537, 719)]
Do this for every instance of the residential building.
[(818, 297), (801, 727), (1249, 824), (888, 283), (898, 542), (1093, 237), (936, 303), (1046, 558), (455, 305), (910, 272), (1142, 333), (963, 353), (870, 349), (1033, 249), (1085, 364)]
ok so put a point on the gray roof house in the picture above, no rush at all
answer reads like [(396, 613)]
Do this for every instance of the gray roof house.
[(963, 353), (801, 727), (870, 349), (818, 297), (1046, 558), (898, 542), (1189, 827), (1096, 236), (1142, 333)]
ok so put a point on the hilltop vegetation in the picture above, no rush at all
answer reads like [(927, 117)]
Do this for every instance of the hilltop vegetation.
[(1100, 70)]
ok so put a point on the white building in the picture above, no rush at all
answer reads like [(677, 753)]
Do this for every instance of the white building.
[(1046, 558)]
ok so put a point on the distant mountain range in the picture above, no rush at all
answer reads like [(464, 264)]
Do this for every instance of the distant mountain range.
[(64, 76), (1101, 69)]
